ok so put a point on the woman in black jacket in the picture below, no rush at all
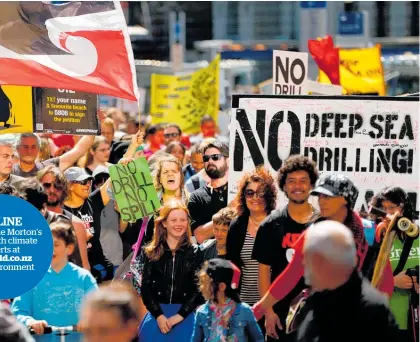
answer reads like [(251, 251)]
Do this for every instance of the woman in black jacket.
[(255, 200), (168, 288)]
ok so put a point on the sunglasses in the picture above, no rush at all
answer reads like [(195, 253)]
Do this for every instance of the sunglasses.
[(251, 194), (57, 186), (171, 135), (214, 157), (83, 182)]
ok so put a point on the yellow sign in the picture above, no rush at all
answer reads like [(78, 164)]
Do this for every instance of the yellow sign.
[(184, 100), (16, 114), (361, 71)]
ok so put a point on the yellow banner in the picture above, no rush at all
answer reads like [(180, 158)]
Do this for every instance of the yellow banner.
[(361, 71), (16, 114), (184, 100)]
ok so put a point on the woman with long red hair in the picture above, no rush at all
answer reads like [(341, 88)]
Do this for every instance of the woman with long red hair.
[(168, 286)]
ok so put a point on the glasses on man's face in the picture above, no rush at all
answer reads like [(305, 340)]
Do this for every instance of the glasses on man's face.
[(83, 182), (251, 194), (214, 157), (57, 186), (171, 135)]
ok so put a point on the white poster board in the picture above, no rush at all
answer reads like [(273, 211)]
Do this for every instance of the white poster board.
[(290, 72), (372, 140)]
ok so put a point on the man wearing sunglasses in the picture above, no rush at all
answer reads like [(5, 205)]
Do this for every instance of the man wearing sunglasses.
[(209, 199), (88, 207), (172, 132), (56, 188)]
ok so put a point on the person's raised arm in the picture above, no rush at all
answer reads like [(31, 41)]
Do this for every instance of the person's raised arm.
[(69, 158), (136, 141)]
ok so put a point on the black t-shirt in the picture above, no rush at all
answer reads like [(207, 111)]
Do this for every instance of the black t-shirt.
[(205, 202), (275, 237), (90, 214)]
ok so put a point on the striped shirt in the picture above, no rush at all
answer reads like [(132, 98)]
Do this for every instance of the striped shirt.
[(249, 286)]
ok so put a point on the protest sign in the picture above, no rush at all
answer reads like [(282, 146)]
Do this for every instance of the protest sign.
[(66, 112), (16, 114), (372, 140), (184, 100), (361, 71), (132, 186), (290, 71)]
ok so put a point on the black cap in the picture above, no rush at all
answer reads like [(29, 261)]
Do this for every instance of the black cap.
[(336, 184), (224, 271)]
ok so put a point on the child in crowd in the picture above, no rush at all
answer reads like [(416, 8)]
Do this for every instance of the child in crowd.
[(216, 248), (223, 317), (56, 299)]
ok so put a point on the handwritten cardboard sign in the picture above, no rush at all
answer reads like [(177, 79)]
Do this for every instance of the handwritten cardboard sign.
[(372, 140), (66, 112), (132, 186)]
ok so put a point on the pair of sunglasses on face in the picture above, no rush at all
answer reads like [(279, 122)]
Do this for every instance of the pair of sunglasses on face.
[(251, 194), (57, 186), (83, 182), (214, 157)]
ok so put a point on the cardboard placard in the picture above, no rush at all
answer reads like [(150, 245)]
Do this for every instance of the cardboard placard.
[(66, 112), (290, 72), (133, 189), (372, 140)]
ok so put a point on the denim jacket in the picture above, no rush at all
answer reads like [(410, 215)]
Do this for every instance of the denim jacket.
[(242, 324)]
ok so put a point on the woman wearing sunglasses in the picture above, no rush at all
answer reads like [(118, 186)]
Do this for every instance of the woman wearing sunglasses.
[(255, 199)]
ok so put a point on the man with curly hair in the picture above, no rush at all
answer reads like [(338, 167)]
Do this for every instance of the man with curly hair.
[(277, 234), (337, 196)]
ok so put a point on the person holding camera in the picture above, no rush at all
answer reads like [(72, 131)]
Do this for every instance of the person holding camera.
[(404, 259)]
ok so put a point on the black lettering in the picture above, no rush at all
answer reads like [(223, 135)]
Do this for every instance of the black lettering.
[(357, 159), (132, 168), (336, 157), (375, 125), (325, 124), (383, 160), (407, 129), (250, 140), (389, 126), (356, 122), (284, 70), (261, 126), (343, 160), (285, 90), (315, 119), (126, 215), (277, 89), (339, 125), (400, 161), (295, 80), (116, 186)]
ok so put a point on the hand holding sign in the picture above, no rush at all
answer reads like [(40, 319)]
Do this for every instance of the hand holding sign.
[(133, 189)]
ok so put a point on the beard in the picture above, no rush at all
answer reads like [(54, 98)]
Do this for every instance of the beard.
[(297, 201), (53, 204), (215, 173)]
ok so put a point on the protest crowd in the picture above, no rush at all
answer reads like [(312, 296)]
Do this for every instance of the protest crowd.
[(206, 269), (285, 216)]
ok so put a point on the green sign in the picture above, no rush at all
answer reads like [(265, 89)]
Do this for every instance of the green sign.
[(133, 189)]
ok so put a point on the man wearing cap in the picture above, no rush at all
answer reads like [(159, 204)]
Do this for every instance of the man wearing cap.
[(56, 188), (88, 207), (337, 195)]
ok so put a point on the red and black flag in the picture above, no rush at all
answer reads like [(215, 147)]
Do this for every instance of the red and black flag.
[(74, 45)]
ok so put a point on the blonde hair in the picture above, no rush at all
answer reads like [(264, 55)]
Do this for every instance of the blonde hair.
[(158, 167), (89, 156), (44, 150), (154, 250)]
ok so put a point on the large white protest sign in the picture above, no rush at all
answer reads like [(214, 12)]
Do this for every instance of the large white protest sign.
[(290, 72), (372, 140)]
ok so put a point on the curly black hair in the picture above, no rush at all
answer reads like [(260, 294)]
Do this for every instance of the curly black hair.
[(297, 163), (398, 196)]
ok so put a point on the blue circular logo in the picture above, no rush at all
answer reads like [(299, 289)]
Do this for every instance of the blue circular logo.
[(26, 246)]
